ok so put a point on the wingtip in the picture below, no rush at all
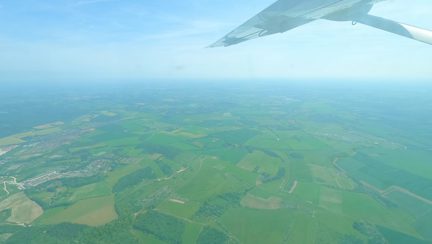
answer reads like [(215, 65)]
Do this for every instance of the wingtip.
[(217, 44), (211, 46)]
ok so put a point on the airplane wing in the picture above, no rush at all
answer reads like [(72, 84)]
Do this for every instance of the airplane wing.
[(281, 16), (259, 27), (285, 15)]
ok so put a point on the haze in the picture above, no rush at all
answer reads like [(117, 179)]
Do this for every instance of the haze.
[(109, 39)]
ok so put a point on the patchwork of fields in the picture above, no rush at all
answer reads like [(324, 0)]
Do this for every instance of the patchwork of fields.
[(258, 165)]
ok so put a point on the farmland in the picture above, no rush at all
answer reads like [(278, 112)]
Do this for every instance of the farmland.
[(243, 164)]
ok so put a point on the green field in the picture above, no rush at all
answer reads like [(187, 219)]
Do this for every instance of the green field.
[(261, 165)]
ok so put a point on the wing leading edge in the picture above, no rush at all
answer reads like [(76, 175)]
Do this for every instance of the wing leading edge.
[(256, 27)]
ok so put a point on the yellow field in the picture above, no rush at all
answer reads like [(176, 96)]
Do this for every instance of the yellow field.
[(108, 113), (49, 125), (331, 200), (94, 212), (331, 177), (261, 161), (10, 140), (252, 201), (24, 210), (19, 138)]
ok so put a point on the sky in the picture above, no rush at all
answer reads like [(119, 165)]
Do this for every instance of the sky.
[(166, 39)]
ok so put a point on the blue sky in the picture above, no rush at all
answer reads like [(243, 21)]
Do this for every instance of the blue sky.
[(166, 39)]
